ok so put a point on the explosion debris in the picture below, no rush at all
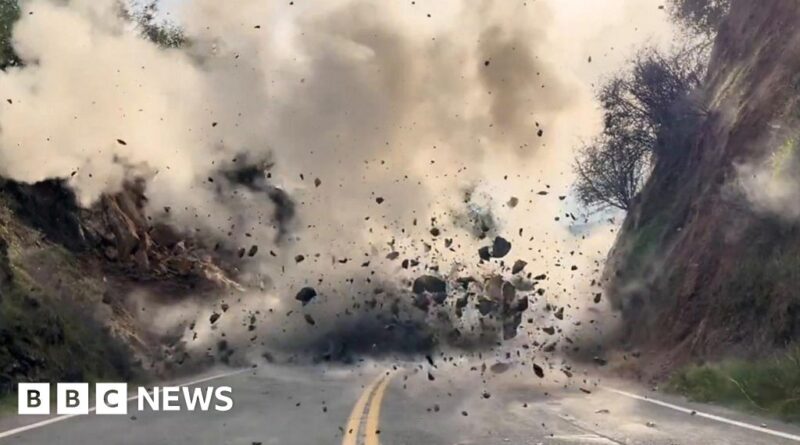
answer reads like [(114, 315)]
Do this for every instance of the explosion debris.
[(305, 295), (442, 151), (429, 284), (500, 247), (518, 267)]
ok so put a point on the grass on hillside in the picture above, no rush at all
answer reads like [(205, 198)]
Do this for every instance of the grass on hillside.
[(766, 387), (49, 337)]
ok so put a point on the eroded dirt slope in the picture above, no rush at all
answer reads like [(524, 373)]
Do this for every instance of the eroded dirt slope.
[(708, 260)]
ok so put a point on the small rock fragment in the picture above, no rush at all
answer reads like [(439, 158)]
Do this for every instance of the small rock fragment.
[(518, 267), (305, 295), (500, 247), (430, 284)]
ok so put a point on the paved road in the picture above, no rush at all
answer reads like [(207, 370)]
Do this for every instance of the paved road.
[(378, 403)]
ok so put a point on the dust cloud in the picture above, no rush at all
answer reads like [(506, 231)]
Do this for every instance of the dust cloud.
[(394, 132), (770, 184)]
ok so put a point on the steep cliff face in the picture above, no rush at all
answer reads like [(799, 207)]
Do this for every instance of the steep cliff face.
[(708, 261), (60, 318), (67, 276), (117, 231)]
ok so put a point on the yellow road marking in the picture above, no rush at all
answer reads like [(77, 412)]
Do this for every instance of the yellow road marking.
[(354, 421), (374, 416)]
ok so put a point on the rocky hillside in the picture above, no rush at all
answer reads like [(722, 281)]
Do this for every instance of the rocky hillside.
[(708, 260), (66, 278)]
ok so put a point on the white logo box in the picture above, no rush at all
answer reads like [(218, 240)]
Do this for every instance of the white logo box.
[(72, 398)]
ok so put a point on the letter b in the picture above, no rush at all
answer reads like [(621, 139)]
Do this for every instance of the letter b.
[(33, 398), (72, 398)]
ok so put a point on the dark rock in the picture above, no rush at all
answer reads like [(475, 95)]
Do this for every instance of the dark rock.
[(499, 367), (486, 306), (430, 284), (305, 295), (500, 247), (421, 301)]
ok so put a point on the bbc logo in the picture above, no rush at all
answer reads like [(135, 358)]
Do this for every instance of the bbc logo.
[(72, 398), (112, 398)]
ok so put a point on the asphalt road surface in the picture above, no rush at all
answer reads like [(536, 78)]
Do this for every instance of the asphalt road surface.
[(379, 403)]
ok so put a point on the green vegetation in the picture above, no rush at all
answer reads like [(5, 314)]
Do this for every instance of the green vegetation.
[(164, 33), (47, 330), (646, 241), (765, 387), (45, 340), (766, 277), (9, 13), (785, 157)]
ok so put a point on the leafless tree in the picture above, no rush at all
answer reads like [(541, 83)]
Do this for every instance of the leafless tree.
[(700, 16), (611, 172), (640, 105)]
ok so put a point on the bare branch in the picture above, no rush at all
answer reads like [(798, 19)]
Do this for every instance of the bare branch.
[(640, 105)]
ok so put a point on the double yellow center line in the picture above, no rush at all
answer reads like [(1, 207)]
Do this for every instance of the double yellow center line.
[(369, 405)]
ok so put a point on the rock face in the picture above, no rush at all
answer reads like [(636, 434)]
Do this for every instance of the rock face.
[(51, 207), (46, 334), (65, 272), (700, 266), (116, 228), (6, 275)]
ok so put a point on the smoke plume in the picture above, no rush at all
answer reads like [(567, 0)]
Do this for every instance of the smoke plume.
[(418, 128)]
